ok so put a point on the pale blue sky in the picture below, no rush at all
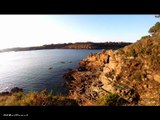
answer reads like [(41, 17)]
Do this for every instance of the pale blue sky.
[(33, 30)]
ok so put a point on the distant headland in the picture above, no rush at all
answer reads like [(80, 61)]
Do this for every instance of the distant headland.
[(78, 45)]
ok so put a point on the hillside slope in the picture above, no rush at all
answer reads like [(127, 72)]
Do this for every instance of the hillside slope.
[(127, 76)]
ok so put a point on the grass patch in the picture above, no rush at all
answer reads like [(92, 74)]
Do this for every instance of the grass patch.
[(42, 98)]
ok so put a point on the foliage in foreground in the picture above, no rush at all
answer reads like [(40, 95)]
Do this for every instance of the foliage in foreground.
[(35, 99)]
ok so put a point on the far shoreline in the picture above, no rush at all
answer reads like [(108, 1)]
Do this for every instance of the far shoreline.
[(77, 46)]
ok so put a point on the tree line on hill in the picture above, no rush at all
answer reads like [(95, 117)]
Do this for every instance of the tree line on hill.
[(78, 45)]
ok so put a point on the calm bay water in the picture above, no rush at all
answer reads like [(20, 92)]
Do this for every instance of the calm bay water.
[(30, 69)]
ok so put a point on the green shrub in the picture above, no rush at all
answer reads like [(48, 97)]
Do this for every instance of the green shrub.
[(155, 28), (138, 77), (19, 95), (132, 53), (111, 100), (144, 37), (114, 100)]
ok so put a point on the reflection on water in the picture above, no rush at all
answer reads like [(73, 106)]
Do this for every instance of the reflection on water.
[(37, 70)]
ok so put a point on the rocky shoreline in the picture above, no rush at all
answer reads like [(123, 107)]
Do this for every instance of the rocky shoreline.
[(115, 73), (94, 79)]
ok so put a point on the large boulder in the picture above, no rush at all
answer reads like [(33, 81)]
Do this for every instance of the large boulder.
[(157, 78)]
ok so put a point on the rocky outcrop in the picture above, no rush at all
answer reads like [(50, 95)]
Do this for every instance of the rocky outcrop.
[(131, 72), (98, 75), (13, 90), (157, 77), (16, 89)]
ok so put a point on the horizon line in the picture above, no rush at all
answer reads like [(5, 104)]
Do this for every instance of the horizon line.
[(64, 43)]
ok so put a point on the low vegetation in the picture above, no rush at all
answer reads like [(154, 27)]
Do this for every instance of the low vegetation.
[(42, 98), (132, 53), (111, 100), (145, 37), (155, 28)]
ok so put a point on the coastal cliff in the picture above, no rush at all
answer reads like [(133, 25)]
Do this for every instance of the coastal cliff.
[(129, 76)]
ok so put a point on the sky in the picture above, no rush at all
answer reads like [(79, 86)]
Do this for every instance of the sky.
[(37, 30)]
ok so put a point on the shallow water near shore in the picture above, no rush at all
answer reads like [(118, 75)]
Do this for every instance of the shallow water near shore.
[(39, 69)]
